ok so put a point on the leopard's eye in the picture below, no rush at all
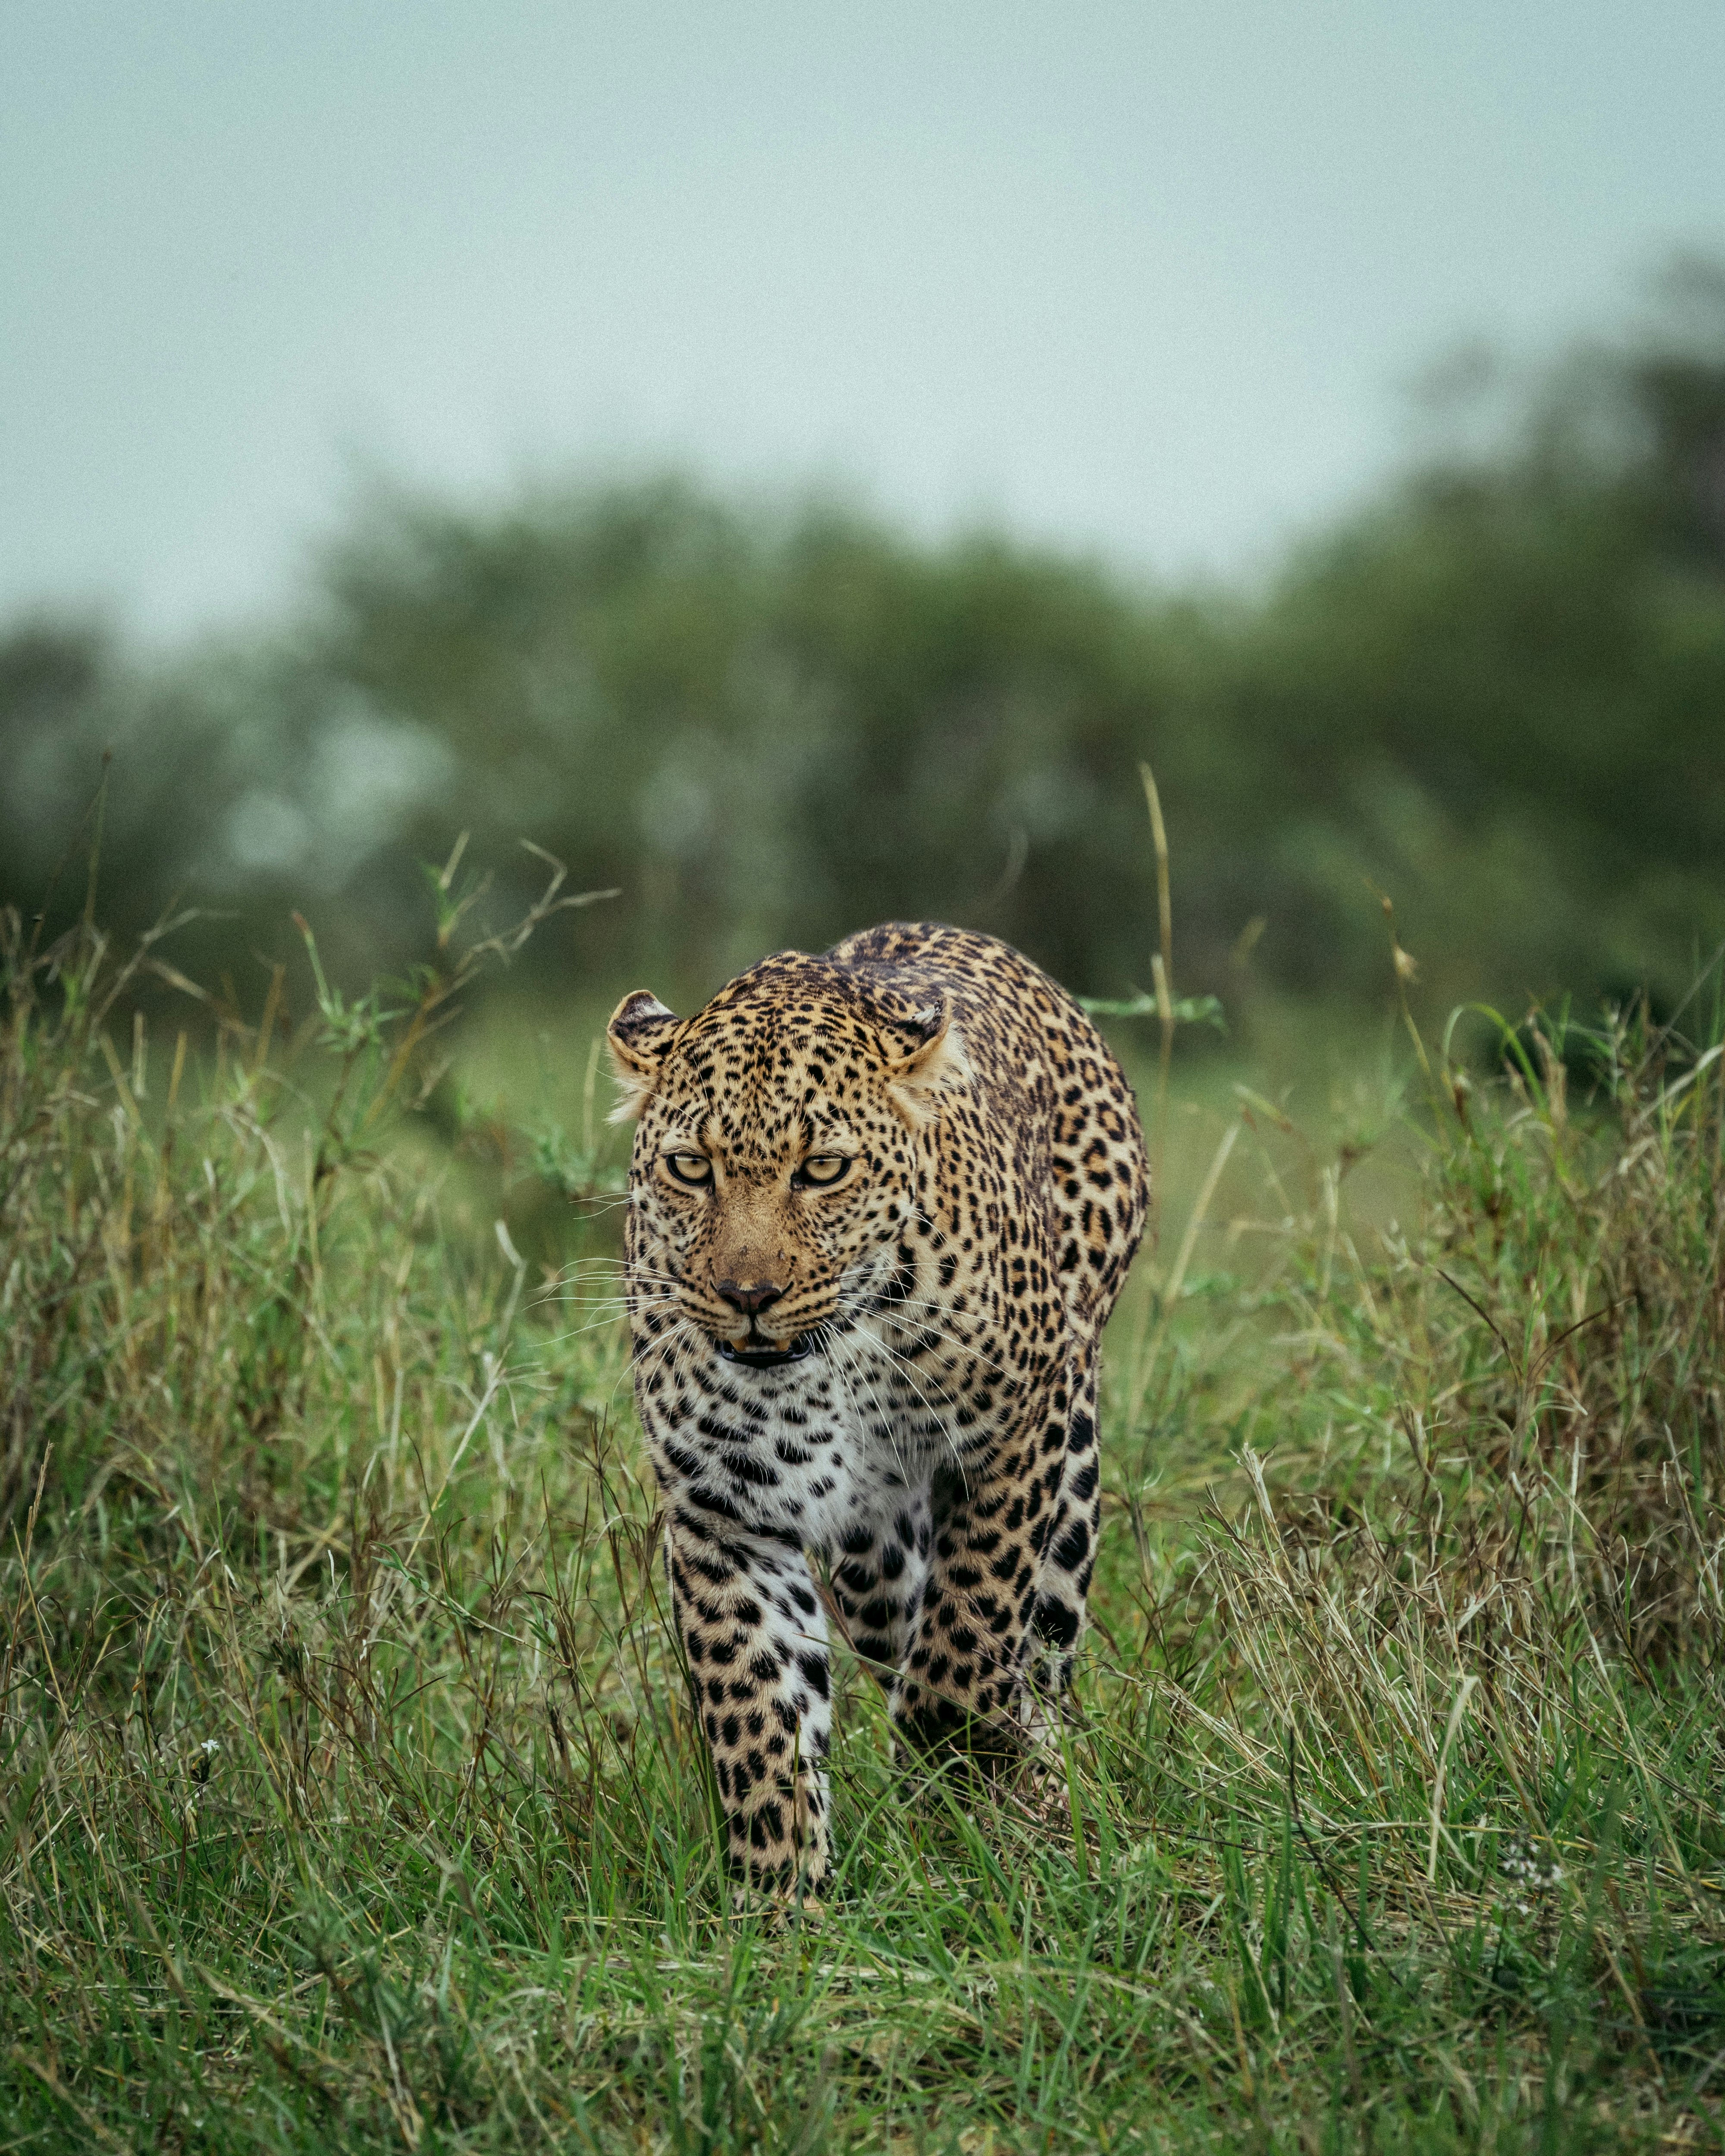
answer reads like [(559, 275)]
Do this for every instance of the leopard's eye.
[(823, 1169), (694, 1169)]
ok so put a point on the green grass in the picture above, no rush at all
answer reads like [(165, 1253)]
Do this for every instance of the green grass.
[(348, 1794)]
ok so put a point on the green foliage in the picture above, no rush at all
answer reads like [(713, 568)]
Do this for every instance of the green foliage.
[(348, 1796), (1495, 693)]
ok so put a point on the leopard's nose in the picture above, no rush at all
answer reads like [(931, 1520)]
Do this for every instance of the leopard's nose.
[(751, 1299)]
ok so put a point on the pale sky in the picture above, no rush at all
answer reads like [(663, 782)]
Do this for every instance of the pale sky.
[(1147, 281)]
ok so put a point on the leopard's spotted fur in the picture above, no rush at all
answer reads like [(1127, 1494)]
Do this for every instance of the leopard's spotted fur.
[(895, 1367)]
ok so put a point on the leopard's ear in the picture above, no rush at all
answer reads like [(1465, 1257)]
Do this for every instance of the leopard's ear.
[(925, 1055), (637, 1037)]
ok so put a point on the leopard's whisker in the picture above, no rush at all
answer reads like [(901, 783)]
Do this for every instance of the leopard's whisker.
[(924, 1324), (938, 1420), (884, 1419)]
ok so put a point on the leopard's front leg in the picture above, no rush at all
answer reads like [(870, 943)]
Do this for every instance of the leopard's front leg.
[(963, 1680), (878, 1573), (755, 1637)]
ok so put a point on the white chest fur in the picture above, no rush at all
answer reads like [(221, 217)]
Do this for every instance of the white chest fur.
[(816, 1448)]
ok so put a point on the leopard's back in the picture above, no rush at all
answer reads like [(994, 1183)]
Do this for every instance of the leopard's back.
[(1049, 1090)]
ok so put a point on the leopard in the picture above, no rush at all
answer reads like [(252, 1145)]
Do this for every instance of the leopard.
[(881, 1202)]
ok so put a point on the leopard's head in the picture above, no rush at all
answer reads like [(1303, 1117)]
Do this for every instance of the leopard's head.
[(775, 1154)]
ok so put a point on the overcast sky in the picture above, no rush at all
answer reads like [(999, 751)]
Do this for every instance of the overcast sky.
[(1145, 278)]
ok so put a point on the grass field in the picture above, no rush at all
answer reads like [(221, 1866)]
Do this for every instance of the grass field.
[(348, 1794)]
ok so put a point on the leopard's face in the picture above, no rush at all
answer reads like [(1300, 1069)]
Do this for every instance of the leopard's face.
[(774, 1162)]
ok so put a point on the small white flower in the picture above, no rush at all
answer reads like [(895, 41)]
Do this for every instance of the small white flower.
[(1519, 1862)]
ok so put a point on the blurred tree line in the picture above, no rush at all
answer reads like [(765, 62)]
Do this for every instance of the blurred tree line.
[(1495, 693)]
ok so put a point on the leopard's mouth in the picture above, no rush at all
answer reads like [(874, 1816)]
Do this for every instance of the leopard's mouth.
[(765, 1358)]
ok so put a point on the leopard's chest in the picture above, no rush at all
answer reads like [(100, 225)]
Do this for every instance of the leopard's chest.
[(813, 1448)]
